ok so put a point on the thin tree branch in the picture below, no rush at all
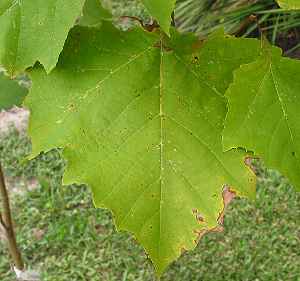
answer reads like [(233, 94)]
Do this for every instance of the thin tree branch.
[(2, 224), (148, 27), (6, 222), (173, 23)]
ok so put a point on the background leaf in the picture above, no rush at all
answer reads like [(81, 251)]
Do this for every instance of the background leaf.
[(222, 54), (35, 30), (11, 93), (161, 11), (263, 112), (289, 4), (94, 13)]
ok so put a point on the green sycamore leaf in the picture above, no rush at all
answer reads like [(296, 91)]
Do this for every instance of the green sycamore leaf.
[(221, 54), (94, 13), (263, 117), (138, 123), (11, 93), (289, 4), (161, 11), (35, 30)]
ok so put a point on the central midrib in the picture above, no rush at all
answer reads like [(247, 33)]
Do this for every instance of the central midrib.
[(161, 115)]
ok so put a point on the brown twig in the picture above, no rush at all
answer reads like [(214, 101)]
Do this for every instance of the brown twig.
[(148, 27), (173, 23), (6, 222)]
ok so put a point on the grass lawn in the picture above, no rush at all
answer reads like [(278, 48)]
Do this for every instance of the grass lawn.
[(63, 235)]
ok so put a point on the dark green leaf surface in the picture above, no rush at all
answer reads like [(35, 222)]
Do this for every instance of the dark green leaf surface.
[(35, 30), (140, 126), (263, 117), (11, 93), (94, 13)]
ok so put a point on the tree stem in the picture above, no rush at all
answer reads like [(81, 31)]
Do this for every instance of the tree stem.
[(6, 222), (173, 23)]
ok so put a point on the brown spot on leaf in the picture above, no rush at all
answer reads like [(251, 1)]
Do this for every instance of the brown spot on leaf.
[(183, 250), (199, 217), (200, 234), (218, 229), (248, 161), (228, 195), (197, 45), (195, 59), (71, 107)]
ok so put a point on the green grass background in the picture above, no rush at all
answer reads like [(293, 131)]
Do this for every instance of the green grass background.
[(78, 242)]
